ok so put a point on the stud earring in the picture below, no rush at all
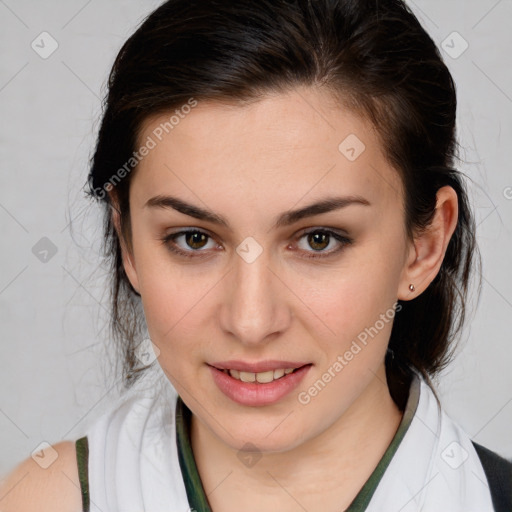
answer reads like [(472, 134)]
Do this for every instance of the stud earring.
[(411, 287)]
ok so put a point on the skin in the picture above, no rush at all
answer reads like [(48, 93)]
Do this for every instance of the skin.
[(250, 164), (32, 488)]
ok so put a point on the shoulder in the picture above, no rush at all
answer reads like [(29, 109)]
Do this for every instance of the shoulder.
[(31, 486)]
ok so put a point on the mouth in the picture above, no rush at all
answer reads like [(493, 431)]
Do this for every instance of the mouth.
[(260, 377), (268, 382)]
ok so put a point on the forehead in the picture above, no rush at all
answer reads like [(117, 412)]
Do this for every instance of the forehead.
[(288, 146)]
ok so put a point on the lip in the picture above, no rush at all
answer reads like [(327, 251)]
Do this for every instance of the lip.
[(256, 393), (256, 367)]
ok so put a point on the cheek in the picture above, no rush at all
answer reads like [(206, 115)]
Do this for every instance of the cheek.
[(159, 287), (169, 301), (352, 300), (174, 299)]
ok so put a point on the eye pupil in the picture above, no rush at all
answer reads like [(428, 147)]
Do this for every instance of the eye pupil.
[(197, 238), (319, 239)]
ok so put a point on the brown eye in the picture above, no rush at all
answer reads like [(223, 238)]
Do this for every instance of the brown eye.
[(195, 239), (321, 239), (318, 240), (191, 243)]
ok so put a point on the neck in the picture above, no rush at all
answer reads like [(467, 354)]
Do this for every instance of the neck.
[(333, 465)]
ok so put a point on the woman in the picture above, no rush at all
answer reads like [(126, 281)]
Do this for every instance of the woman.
[(289, 235)]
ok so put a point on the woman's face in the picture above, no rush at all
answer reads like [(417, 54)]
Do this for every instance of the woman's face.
[(254, 282)]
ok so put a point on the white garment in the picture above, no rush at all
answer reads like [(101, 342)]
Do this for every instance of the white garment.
[(134, 467)]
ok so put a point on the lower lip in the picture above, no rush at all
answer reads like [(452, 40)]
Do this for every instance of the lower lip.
[(255, 393)]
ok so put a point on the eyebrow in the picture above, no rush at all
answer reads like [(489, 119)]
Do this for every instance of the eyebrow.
[(288, 218)]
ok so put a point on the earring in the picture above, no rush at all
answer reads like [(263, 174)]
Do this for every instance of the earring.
[(411, 287)]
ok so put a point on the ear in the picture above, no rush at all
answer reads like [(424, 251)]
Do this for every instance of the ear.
[(427, 252), (126, 252)]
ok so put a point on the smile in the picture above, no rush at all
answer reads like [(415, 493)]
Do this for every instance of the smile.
[(262, 377), (258, 388)]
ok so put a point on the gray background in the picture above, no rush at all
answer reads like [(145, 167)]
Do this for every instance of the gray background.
[(54, 364)]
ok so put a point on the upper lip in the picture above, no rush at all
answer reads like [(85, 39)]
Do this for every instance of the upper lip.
[(256, 367)]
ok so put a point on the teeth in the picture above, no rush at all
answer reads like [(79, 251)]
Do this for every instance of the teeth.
[(262, 377), (265, 377), (247, 377), (279, 373)]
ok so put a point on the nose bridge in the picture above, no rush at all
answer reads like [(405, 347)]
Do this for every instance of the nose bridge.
[(254, 308)]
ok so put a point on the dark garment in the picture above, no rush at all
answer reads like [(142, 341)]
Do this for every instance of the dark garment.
[(499, 476)]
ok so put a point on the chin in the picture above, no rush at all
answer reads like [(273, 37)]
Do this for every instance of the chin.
[(262, 437)]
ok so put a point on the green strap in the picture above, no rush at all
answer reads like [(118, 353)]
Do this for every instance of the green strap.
[(195, 492), (82, 458)]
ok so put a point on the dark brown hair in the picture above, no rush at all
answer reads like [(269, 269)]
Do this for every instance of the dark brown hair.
[(371, 54)]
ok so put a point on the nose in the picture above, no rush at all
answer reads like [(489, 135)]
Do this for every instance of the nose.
[(255, 308)]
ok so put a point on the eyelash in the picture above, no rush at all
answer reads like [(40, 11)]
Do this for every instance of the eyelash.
[(169, 241)]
